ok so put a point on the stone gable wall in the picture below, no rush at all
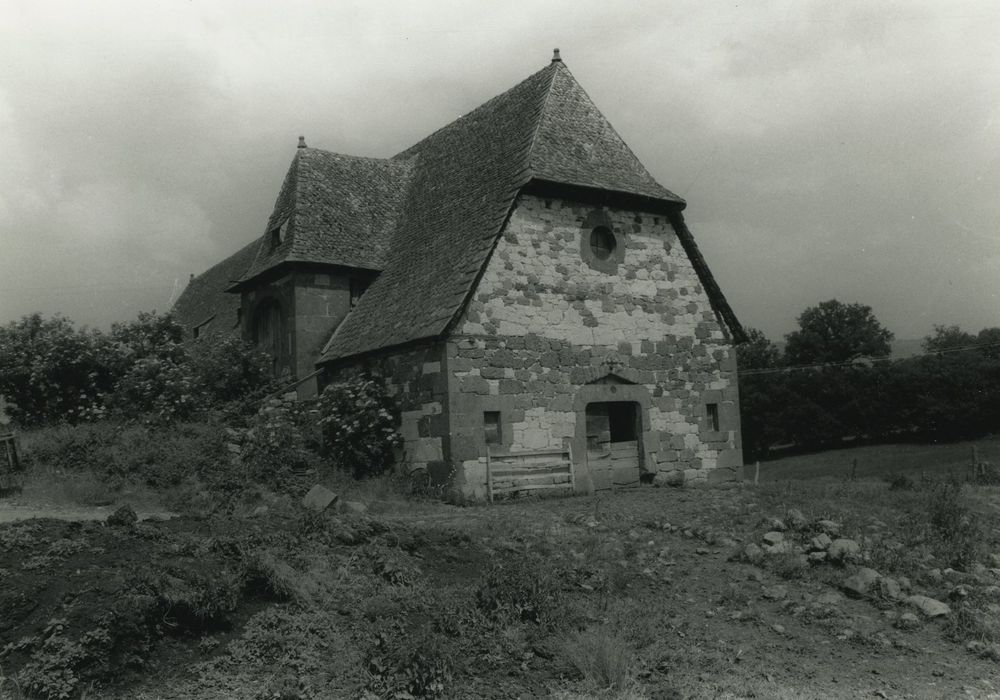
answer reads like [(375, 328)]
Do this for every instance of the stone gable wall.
[(547, 319)]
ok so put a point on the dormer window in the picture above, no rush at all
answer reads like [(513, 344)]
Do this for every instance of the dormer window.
[(358, 287), (276, 237)]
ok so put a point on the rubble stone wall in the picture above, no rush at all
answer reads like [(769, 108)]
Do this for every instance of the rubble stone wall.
[(552, 326), (417, 382)]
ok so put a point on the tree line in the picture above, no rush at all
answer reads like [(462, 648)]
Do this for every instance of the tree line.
[(834, 382)]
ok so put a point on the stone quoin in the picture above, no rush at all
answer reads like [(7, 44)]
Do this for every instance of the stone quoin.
[(520, 281)]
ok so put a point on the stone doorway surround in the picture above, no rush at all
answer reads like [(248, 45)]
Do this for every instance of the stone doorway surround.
[(608, 386)]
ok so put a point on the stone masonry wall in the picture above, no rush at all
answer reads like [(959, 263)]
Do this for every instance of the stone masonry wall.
[(547, 320), (322, 300), (416, 380)]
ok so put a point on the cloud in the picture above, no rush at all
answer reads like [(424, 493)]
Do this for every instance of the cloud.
[(846, 150)]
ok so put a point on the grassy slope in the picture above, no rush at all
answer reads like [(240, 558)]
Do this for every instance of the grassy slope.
[(637, 586), (877, 461)]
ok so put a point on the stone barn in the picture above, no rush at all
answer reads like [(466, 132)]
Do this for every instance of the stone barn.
[(530, 293)]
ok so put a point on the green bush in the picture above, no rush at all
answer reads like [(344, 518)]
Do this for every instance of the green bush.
[(356, 418), (520, 589)]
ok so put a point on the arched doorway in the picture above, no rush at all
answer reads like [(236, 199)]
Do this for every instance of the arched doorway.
[(268, 331)]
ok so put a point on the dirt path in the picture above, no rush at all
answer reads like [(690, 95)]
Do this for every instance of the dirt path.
[(13, 510)]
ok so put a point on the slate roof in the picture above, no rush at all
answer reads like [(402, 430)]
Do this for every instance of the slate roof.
[(205, 299), (464, 181), (334, 209)]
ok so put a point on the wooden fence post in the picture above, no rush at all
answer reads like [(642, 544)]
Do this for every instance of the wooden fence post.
[(756, 473)]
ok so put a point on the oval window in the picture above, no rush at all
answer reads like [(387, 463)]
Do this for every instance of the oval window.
[(602, 242)]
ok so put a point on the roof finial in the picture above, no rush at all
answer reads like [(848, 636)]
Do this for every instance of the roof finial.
[(302, 142), (555, 56)]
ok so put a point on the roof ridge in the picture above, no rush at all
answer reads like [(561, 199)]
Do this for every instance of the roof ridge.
[(463, 117), (541, 112)]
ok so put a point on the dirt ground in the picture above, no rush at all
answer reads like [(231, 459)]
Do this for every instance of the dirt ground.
[(656, 569)]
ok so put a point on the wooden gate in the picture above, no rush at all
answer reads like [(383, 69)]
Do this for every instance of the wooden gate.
[(512, 472), (613, 447)]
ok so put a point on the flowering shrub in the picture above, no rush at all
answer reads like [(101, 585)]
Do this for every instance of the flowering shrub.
[(356, 418), (276, 445), (51, 371)]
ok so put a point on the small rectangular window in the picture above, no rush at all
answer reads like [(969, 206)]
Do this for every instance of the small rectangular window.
[(491, 427), (358, 287), (713, 416)]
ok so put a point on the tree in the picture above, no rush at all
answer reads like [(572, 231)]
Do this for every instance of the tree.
[(947, 338), (836, 332), (757, 352)]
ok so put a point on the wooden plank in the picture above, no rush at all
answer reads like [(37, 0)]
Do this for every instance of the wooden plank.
[(489, 476), (535, 487), (527, 453), (503, 473), (540, 479)]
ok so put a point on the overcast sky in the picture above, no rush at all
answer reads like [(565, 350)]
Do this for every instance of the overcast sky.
[(845, 150)]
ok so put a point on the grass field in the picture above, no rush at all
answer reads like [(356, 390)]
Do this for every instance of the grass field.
[(878, 461)]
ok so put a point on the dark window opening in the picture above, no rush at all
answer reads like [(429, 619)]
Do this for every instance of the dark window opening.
[(358, 288), (612, 421), (713, 416), (491, 428), (275, 235), (197, 331), (602, 242)]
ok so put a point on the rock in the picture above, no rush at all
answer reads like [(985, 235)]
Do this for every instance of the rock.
[(994, 561), (829, 598), (928, 606), (905, 584), (776, 524), (908, 621), (889, 588), (784, 547), (354, 507), (796, 519), (773, 537), (259, 511), (830, 527), (776, 592), (755, 574), (820, 543), (674, 478), (861, 583), (123, 517), (817, 557), (778, 628), (935, 575), (319, 498), (843, 550)]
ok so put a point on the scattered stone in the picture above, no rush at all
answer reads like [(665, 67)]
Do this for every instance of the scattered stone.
[(776, 524), (776, 592), (995, 561), (958, 592), (702, 551), (674, 479), (928, 606), (354, 507), (905, 584), (784, 547), (830, 527), (817, 557), (591, 522), (259, 511), (820, 543), (829, 598), (773, 537), (319, 498), (935, 575), (755, 574), (123, 517), (860, 584), (842, 551), (908, 621), (778, 628), (796, 519), (889, 588)]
